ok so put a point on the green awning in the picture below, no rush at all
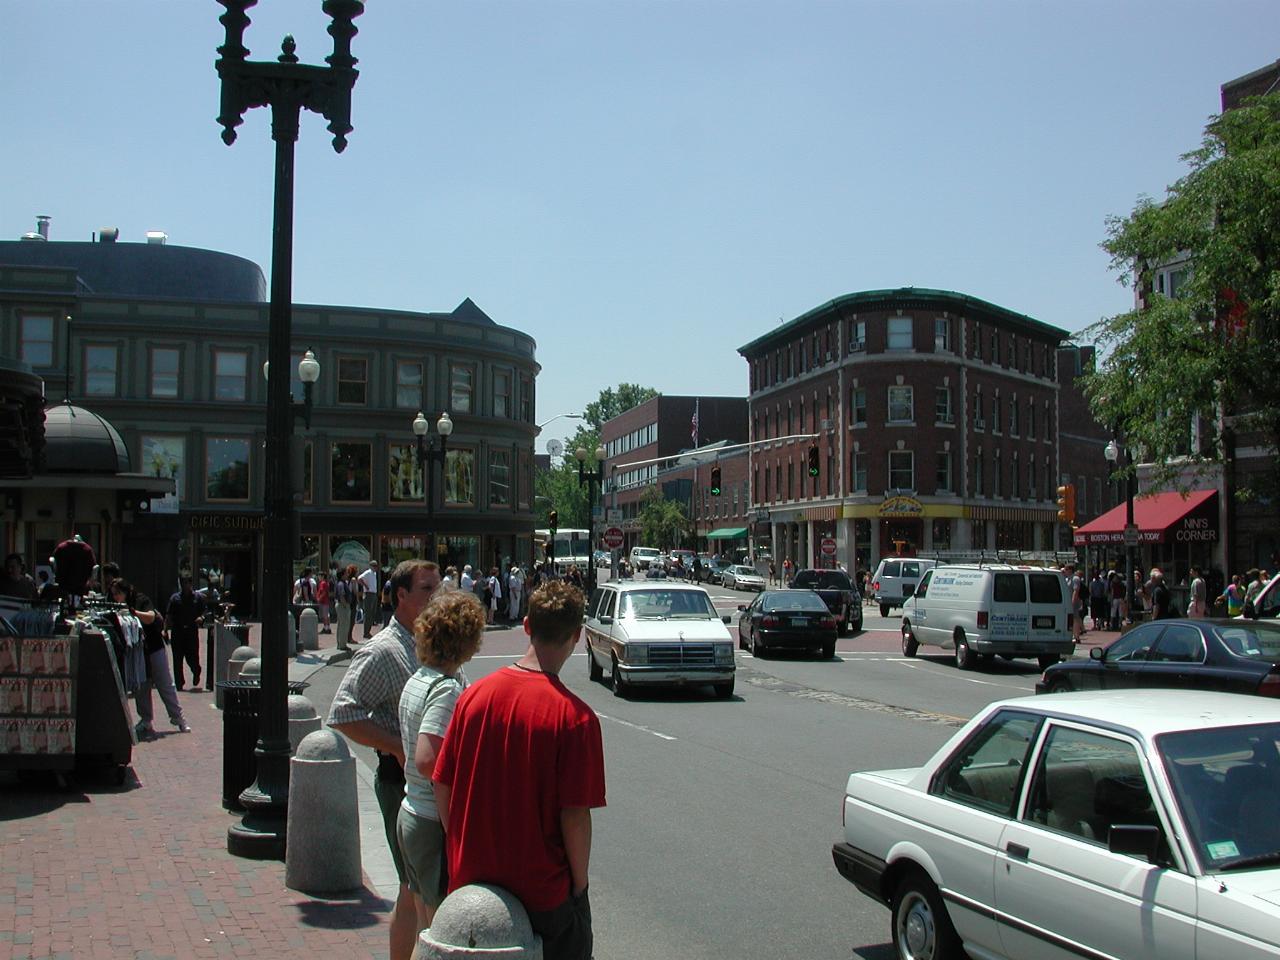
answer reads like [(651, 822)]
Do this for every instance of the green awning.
[(727, 533)]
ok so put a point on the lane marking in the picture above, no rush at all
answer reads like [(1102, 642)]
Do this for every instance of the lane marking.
[(914, 664), (634, 726)]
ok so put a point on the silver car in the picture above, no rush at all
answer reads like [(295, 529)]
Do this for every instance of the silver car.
[(741, 577)]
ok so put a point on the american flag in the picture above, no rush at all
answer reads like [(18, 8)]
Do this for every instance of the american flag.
[(693, 424)]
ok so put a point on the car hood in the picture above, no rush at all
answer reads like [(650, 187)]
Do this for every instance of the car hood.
[(749, 576), (902, 775), (670, 631)]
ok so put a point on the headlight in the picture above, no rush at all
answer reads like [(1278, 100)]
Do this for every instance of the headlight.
[(724, 653), (636, 653)]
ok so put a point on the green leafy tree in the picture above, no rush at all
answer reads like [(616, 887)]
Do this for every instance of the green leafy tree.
[(558, 488), (663, 523), (1210, 348)]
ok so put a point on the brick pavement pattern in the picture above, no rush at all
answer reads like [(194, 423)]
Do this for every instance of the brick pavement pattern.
[(142, 870)]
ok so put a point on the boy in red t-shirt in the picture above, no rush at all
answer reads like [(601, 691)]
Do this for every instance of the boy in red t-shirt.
[(521, 767)]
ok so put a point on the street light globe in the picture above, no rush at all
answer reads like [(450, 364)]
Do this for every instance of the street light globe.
[(420, 425), (581, 454), (444, 424), (308, 368), (1111, 451), (600, 454)]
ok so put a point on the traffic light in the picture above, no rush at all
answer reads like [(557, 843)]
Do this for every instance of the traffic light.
[(813, 459), (1067, 503), (715, 481), (553, 519)]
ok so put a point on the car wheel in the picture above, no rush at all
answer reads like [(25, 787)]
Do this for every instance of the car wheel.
[(884, 609), (921, 928), (965, 657), (594, 672), (909, 642), (844, 622), (829, 650), (1059, 685), (615, 679), (724, 690), (1047, 660), (758, 649)]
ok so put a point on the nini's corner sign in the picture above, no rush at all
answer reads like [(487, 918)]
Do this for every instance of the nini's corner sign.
[(901, 506)]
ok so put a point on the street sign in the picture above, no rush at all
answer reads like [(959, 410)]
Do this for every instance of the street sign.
[(613, 516), (613, 538), (1131, 535), (828, 547)]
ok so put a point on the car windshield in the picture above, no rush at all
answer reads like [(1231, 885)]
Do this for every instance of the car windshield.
[(744, 571), (823, 580), (1257, 641), (1226, 781), (667, 605), (792, 600)]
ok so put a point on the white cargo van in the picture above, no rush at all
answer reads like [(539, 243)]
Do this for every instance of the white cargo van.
[(642, 557), (986, 610), (896, 579)]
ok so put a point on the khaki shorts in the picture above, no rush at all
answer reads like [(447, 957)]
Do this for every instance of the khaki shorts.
[(422, 846)]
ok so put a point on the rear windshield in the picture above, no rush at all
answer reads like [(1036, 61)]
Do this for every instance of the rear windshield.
[(823, 580), (1046, 587), (793, 600), (1257, 641), (910, 569), (893, 569), (1010, 588)]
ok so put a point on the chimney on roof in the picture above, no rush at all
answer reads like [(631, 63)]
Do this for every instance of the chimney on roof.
[(108, 234), (42, 226), (157, 236)]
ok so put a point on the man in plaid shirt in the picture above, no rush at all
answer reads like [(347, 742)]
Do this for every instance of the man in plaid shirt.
[(366, 709)]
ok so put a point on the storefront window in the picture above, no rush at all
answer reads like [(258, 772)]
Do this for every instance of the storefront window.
[(226, 468), (459, 551), (499, 478), (942, 534), (403, 474), (350, 473), (398, 549), (459, 477)]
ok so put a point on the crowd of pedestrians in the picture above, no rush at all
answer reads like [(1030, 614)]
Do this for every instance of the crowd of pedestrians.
[(491, 782), (1105, 601)]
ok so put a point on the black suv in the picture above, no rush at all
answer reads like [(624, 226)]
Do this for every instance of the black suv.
[(839, 593)]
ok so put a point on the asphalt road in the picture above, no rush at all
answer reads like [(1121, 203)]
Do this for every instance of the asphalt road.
[(716, 842)]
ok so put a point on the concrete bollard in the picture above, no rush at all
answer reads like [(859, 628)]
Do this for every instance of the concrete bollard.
[(235, 664), (322, 854), (479, 920), (308, 630), (303, 719)]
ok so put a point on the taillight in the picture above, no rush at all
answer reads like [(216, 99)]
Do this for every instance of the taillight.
[(1270, 685), (982, 619), (876, 585), (829, 622), (769, 621)]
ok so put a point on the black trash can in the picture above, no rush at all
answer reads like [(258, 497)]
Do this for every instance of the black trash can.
[(241, 706)]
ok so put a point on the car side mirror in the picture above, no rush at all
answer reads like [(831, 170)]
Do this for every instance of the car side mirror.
[(1250, 611), (726, 619), (742, 606), (606, 621), (1097, 653), (1135, 840)]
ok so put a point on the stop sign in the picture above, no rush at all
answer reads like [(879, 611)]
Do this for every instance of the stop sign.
[(828, 547), (613, 538)]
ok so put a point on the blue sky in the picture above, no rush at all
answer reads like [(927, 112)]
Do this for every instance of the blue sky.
[(641, 186)]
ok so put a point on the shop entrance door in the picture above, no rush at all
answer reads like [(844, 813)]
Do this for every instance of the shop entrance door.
[(230, 562), (900, 537)]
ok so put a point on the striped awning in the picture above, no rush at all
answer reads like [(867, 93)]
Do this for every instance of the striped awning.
[(1014, 514)]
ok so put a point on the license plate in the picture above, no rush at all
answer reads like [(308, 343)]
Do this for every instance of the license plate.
[(1042, 623), (798, 621)]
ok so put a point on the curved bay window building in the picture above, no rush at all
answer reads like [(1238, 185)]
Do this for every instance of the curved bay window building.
[(168, 343), (935, 417)]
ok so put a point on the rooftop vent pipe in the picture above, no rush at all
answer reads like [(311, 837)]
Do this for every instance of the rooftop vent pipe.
[(157, 236), (108, 234)]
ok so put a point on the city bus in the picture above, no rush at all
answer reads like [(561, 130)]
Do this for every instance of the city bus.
[(572, 547)]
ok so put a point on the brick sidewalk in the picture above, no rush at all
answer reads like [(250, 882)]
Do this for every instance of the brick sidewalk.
[(142, 870)]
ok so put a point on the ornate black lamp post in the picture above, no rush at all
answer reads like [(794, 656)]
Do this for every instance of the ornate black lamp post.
[(1112, 453), (428, 456), (288, 87), (591, 479)]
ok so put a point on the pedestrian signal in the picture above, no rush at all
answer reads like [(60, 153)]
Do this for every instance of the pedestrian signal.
[(715, 481), (553, 519), (813, 459)]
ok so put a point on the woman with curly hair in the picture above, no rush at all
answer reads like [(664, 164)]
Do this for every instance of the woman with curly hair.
[(447, 634)]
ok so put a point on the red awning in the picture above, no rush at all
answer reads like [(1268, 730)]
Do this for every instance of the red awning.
[(1159, 517)]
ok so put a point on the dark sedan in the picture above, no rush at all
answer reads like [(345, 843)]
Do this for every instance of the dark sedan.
[(1236, 656), (794, 619)]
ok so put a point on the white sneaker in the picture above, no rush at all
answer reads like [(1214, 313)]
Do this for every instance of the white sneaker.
[(182, 725)]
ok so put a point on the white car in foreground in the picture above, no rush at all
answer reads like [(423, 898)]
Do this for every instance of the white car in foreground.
[(1122, 824)]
